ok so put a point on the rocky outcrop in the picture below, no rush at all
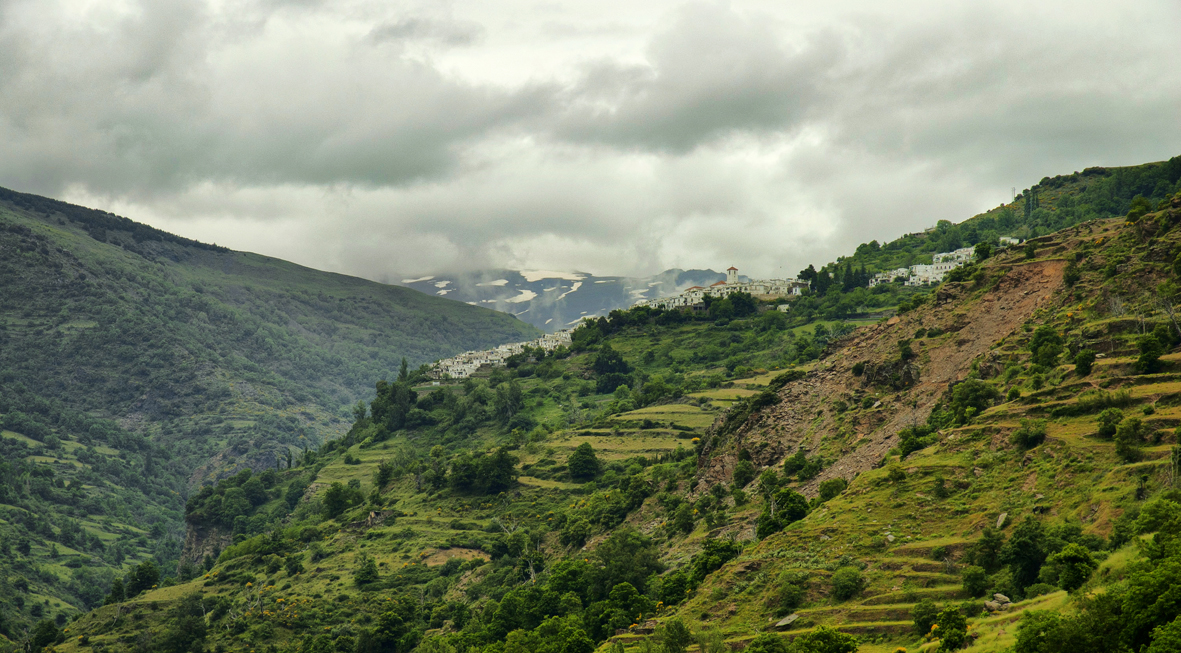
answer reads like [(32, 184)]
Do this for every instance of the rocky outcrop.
[(201, 541)]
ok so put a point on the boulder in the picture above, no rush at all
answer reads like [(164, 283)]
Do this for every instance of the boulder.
[(1001, 598)]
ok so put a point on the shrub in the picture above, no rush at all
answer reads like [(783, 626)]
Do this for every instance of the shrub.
[(1127, 439), (832, 488), (1072, 275), (674, 635), (583, 464), (924, 614), (767, 643), (823, 640), (975, 580), (366, 571), (1109, 421), (744, 473), (1151, 350), (1014, 394), (1031, 433), (1046, 346), (858, 368), (793, 587), (895, 474), (952, 629), (847, 583), (1074, 565), (1083, 362)]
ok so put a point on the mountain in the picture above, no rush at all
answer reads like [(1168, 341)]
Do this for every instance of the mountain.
[(992, 466), (135, 364), (557, 300)]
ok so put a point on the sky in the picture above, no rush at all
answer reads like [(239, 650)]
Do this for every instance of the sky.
[(390, 139)]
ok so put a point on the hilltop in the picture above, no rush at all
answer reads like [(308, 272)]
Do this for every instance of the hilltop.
[(743, 476)]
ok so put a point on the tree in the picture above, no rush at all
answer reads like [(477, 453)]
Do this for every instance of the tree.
[(1084, 361), (383, 474), (44, 634), (1151, 350), (1025, 552), (497, 472), (508, 400), (683, 519), (366, 571), (925, 614), (674, 636), (744, 472), (336, 500), (1074, 564), (1166, 638), (975, 580), (983, 251), (609, 361), (1128, 437), (1030, 434), (824, 640), (293, 564), (145, 576), (847, 582), (583, 464), (952, 629), (627, 556), (1046, 346), (767, 643), (1109, 421)]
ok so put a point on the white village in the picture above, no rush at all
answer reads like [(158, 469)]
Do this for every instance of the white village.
[(693, 298)]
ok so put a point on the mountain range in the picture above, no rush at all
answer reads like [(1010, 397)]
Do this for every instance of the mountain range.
[(557, 300)]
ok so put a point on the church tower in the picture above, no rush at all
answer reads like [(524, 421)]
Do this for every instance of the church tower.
[(731, 275)]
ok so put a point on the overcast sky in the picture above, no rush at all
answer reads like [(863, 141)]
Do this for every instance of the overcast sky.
[(387, 139)]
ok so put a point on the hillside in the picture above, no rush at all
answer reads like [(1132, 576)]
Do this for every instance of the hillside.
[(135, 363), (742, 478)]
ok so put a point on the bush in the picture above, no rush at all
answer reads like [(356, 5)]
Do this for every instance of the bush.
[(583, 464), (1045, 346), (952, 629), (847, 583), (924, 613), (793, 587), (823, 640), (744, 473), (1128, 438), (1083, 362), (832, 488), (767, 643), (858, 368), (1031, 433), (1151, 350), (366, 571), (975, 580), (1109, 421)]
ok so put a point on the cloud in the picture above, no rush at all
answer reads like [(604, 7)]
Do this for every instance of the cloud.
[(447, 32), (395, 139)]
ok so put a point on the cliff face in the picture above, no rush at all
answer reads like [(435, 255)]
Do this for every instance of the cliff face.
[(201, 541)]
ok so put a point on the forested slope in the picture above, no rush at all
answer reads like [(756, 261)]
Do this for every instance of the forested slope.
[(134, 363)]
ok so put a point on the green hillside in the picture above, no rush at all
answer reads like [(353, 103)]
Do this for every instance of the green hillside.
[(135, 363), (783, 482)]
